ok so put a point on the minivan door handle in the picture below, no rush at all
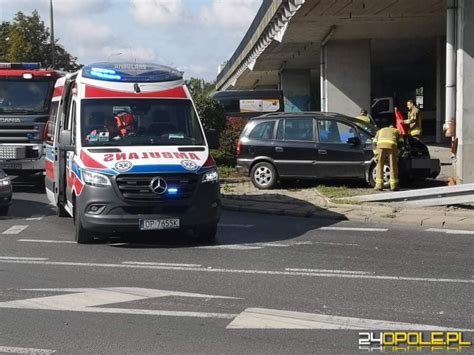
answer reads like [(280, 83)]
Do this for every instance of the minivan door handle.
[(322, 151), (279, 149)]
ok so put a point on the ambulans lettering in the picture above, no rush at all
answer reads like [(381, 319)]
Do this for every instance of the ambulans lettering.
[(150, 155)]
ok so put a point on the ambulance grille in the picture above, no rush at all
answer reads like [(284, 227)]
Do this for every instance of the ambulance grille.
[(137, 186)]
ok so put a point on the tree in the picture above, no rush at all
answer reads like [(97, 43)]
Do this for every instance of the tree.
[(27, 39), (211, 112), (200, 87)]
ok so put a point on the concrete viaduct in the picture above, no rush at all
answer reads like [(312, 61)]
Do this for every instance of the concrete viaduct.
[(338, 55)]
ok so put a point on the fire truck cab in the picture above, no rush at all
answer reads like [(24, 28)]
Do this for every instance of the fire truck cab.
[(25, 98), (126, 152)]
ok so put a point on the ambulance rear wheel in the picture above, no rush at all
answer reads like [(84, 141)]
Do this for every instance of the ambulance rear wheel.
[(82, 236)]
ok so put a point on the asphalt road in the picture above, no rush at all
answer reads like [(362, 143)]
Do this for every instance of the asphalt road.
[(271, 285)]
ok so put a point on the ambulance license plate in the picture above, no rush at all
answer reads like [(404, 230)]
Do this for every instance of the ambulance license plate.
[(158, 224)]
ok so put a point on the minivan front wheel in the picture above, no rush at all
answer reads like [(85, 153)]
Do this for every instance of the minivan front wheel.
[(263, 175), (373, 175)]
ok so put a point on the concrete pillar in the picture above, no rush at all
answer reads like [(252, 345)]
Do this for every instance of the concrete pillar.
[(348, 76), (296, 87), (465, 93)]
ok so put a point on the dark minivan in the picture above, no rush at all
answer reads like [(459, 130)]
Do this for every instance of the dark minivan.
[(315, 145)]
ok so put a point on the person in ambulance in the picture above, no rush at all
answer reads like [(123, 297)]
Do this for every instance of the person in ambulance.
[(114, 128), (129, 154)]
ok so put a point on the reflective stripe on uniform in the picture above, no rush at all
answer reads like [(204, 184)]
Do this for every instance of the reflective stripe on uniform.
[(415, 132), (385, 141)]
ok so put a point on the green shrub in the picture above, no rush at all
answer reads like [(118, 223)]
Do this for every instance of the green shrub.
[(211, 112), (227, 152)]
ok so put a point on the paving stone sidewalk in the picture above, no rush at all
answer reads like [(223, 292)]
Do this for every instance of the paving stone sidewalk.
[(307, 202)]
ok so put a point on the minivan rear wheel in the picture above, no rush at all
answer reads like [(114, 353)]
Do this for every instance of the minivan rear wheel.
[(263, 175)]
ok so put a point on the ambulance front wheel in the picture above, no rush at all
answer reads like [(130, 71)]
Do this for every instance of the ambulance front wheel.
[(82, 236), (207, 234)]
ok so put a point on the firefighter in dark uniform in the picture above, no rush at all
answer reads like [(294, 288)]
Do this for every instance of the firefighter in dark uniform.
[(387, 143), (413, 120)]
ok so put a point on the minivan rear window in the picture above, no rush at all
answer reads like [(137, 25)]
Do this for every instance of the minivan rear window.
[(263, 130)]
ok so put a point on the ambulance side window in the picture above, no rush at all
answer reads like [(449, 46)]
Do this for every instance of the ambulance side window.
[(51, 124)]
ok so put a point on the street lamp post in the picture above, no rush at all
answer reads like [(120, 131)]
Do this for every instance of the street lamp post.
[(53, 47), (113, 54)]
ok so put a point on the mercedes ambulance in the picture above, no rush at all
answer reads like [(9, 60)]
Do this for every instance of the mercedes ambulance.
[(126, 152)]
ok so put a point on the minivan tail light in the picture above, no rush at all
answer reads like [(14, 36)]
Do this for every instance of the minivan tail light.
[(238, 150), (210, 162)]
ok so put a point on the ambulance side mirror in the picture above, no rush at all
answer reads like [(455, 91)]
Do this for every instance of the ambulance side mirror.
[(65, 141), (212, 137)]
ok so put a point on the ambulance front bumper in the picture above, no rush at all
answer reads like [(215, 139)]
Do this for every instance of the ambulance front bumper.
[(103, 210)]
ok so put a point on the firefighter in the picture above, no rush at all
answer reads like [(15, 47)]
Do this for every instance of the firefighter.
[(364, 117), (387, 143), (413, 120)]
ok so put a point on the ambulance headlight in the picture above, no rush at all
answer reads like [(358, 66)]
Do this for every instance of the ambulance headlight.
[(95, 179), (210, 176)]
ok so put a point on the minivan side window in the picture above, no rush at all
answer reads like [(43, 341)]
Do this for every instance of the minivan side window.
[(299, 129), (335, 132), (263, 130)]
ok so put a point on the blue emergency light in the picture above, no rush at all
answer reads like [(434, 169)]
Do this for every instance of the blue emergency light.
[(131, 72), (20, 66), (172, 191)]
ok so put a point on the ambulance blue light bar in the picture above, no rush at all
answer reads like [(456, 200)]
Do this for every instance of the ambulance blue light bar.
[(131, 72), (20, 66)]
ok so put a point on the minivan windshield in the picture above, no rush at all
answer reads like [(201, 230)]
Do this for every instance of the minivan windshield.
[(130, 122)]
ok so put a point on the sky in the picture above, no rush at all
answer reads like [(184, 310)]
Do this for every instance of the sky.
[(194, 36)]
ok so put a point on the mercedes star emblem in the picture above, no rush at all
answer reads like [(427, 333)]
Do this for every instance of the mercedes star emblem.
[(158, 185)]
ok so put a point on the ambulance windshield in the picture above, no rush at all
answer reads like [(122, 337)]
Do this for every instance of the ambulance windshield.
[(131, 122)]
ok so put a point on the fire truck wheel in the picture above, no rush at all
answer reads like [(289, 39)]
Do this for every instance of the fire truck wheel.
[(82, 236)]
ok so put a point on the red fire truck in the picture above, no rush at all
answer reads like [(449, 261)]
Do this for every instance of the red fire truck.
[(25, 99)]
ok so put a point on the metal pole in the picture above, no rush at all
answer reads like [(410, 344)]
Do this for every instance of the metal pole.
[(450, 68), (439, 100), (53, 46)]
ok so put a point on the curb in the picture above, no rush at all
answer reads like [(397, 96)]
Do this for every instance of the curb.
[(426, 219)]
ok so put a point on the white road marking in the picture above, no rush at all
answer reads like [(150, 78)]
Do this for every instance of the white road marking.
[(21, 258), (270, 244), (159, 264), (35, 218), (335, 243), (449, 231), (234, 225), (241, 271), (231, 247), (31, 351), (91, 299), (261, 318), (353, 229), (333, 271), (47, 241), (15, 229)]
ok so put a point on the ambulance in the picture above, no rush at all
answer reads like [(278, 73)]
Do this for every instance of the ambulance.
[(126, 153)]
